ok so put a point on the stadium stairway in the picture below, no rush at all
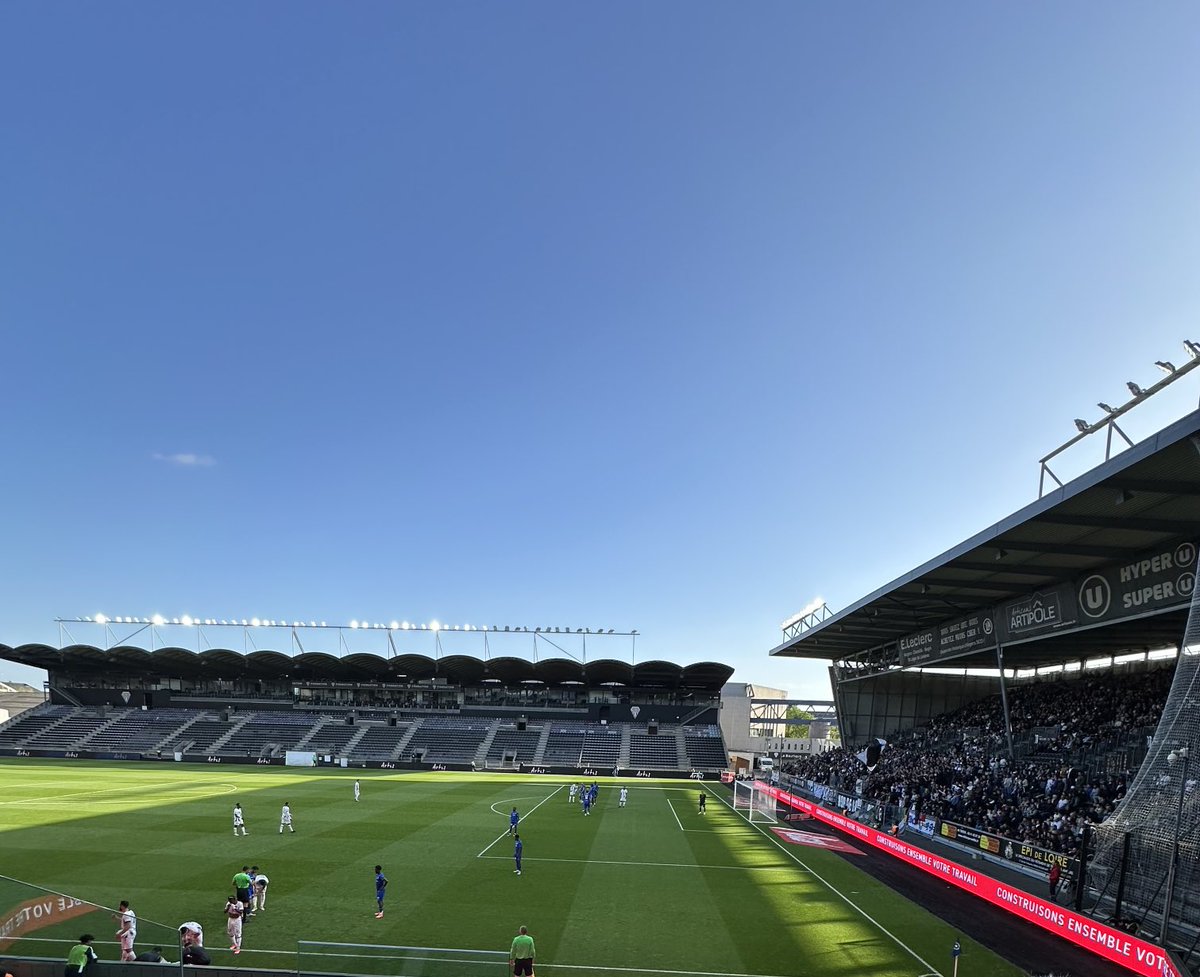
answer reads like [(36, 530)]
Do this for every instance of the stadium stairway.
[(236, 727), (413, 726), (626, 741), (540, 753), (348, 749), (103, 727), (681, 746), (174, 733), (480, 758)]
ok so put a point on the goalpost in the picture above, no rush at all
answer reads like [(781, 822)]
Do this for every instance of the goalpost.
[(754, 802)]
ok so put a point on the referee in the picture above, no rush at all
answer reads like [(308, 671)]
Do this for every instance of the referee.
[(521, 954)]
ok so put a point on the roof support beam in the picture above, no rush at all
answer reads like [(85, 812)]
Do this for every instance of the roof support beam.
[(1136, 523)]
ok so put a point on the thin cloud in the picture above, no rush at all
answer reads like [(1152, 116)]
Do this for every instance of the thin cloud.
[(186, 459)]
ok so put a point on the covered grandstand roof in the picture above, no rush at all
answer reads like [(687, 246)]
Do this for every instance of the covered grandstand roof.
[(1147, 496), (361, 667)]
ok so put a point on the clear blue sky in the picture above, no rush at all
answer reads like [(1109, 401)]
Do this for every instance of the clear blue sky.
[(662, 316)]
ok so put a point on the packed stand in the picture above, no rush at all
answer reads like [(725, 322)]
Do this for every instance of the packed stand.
[(969, 779)]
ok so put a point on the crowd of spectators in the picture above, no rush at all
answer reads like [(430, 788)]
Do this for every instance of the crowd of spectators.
[(957, 768)]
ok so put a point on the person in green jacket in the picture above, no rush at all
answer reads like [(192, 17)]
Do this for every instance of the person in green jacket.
[(81, 956), (520, 957)]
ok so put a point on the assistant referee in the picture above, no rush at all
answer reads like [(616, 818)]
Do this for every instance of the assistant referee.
[(521, 954)]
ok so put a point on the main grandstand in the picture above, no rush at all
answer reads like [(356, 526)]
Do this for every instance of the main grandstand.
[(407, 710), (1026, 698)]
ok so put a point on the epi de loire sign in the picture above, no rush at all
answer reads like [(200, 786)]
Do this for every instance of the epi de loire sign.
[(1137, 956)]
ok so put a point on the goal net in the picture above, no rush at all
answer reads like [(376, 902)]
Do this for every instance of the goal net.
[(752, 800)]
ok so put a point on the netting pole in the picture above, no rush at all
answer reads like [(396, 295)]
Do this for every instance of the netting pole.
[(1121, 869), (1184, 754), (1012, 756), (1081, 869)]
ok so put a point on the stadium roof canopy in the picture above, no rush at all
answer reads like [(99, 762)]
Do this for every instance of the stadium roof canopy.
[(1147, 496), (221, 663)]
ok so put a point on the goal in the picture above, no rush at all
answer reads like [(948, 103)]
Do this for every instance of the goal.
[(754, 802)]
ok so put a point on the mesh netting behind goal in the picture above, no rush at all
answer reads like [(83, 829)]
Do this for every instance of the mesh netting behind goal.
[(1162, 798)]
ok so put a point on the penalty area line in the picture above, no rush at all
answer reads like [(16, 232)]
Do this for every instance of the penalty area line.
[(531, 810), (676, 816)]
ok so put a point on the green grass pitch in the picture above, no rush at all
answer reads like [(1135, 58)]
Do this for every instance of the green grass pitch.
[(650, 889)]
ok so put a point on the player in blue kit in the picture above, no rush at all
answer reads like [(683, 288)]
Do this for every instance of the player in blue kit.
[(517, 849), (587, 804), (513, 819), (380, 889)]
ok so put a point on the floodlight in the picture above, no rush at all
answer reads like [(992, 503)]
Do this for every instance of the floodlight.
[(323, 624), (1082, 426), (354, 624), (395, 625), (610, 630), (174, 620), (1135, 389), (634, 631), (101, 619), (244, 622), (1192, 349), (1104, 407), (579, 630), (434, 626), (537, 630), (507, 628), (1165, 365)]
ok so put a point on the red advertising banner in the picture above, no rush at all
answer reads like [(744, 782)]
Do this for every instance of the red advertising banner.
[(1127, 951)]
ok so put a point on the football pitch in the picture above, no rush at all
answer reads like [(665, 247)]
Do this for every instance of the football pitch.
[(649, 889)]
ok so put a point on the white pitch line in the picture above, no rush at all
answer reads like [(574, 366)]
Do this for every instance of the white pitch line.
[(531, 810), (199, 790), (837, 892), (676, 816), (602, 861)]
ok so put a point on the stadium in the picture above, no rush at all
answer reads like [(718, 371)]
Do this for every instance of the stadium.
[(1019, 706)]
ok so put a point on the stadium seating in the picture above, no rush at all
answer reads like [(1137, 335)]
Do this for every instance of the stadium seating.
[(446, 740), (16, 731), (441, 737), (660, 751), (510, 740), (1067, 734), (381, 742), (705, 748)]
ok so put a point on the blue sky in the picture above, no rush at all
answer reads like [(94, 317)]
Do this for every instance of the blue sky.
[(658, 316)]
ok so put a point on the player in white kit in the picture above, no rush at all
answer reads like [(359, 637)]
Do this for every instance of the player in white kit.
[(239, 820), (128, 931), (624, 797), (258, 894), (233, 923), (285, 818), (357, 789), (571, 794)]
